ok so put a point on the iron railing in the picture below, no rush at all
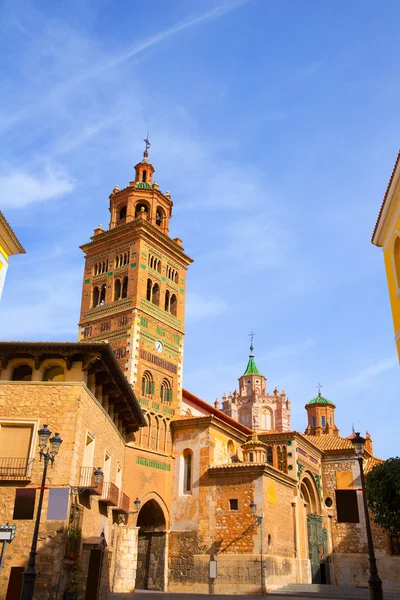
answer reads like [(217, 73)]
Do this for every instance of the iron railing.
[(16, 468), (87, 481), (110, 494)]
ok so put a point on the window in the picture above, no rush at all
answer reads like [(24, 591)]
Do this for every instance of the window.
[(245, 417), (330, 420), (166, 391), (144, 176), (148, 292), (141, 207), (15, 444), (313, 421), (95, 296), (251, 457), (155, 294), (328, 502), (105, 326), (120, 352), (147, 384), (187, 472), (234, 504), (159, 217), (24, 504), (266, 421), (124, 292), (347, 506), (87, 332), (270, 456), (173, 305), (88, 453), (22, 373), (117, 289), (167, 299), (122, 214), (123, 321), (107, 467), (395, 544), (101, 267), (323, 421), (55, 373), (102, 294)]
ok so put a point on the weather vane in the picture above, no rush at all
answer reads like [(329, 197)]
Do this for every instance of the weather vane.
[(146, 141), (251, 335), (319, 386)]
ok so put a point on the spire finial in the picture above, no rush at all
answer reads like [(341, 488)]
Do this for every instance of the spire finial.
[(251, 335), (319, 386), (146, 141), (352, 428)]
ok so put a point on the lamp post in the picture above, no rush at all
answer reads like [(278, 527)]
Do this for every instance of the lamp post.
[(374, 582), (48, 454), (253, 507), (97, 481)]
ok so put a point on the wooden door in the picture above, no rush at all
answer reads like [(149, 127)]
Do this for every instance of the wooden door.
[(15, 583), (94, 572)]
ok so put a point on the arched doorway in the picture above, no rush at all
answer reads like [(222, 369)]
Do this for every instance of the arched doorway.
[(316, 533), (151, 547)]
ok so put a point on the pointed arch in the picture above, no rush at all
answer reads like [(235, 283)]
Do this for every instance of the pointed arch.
[(148, 291), (95, 296), (102, 298), (139, 206), (166, 391), (155, 294), (124, 290), (117, 289), (309, 493), (122, 213), (167, 299), (147, 384), (173, 305)]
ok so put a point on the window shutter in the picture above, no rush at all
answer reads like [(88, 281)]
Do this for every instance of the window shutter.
[(170, 395), (347, 506)]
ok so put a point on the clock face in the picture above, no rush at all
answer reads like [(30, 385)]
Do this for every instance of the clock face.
[(159, 346)]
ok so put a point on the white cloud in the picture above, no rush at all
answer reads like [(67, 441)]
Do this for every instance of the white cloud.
[(289, 350), (362, 379), (19, 188), (200, 308)]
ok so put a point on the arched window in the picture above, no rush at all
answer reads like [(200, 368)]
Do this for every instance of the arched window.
[(55, 373), (147, 384), (167, 296), (162, 438), (102, 298), (122, 214), (187, 471), (159, 266), (155, 294), (159, 216), (155, 430), (266, 420), (124, 292), (22, 373), (245, 417), (138, 208), (96, 269), (166, 391), (173, 305), (396, 256), (95, 296), (176, 277), (117, 289), (148, 292), (144, 176), (270, 456)]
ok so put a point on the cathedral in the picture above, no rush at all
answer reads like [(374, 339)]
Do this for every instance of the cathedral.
[(154, 488)]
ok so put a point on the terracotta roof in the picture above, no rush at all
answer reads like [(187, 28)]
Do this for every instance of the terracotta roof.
[(215, 411), (385, 196), (11, 233), (370, 463), (237, 465), (329, 441)]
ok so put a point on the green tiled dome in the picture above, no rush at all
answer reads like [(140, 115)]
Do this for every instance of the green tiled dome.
[(251, 368), (319, 400)]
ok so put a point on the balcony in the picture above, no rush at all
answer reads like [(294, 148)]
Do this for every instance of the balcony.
[(110, 494), (87, 481), (123, 505), (16, 469)]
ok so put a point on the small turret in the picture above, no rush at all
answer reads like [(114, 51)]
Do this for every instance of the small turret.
[(321, 416)]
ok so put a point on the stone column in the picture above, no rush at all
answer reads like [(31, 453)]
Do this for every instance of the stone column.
[(126, 551)]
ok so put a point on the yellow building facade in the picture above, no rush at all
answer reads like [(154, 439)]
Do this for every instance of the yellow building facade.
[(387, 236), (9, 245)]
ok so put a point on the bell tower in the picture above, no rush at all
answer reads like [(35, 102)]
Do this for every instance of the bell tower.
[(134, 290)]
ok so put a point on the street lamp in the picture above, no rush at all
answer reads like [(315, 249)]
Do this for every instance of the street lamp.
[(253, 507), (374, 582), (48, 454), (137, 504), (97, 480)]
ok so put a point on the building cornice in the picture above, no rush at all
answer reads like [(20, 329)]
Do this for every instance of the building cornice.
[(387, 207), (8, 237)]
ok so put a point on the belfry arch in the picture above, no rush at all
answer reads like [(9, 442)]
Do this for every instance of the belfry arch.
[(151, 560)]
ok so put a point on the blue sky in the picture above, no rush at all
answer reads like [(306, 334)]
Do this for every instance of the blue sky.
[(273, 125)]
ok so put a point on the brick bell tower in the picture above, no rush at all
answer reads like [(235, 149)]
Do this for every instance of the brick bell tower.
[(134, 291)]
